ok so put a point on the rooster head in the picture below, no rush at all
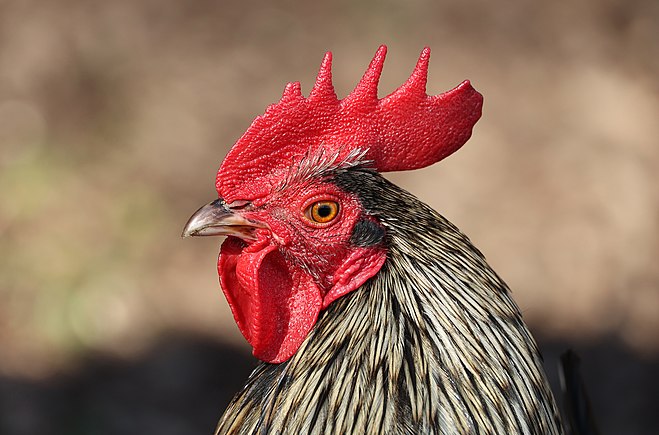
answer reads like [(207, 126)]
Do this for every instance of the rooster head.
[(296, 241)]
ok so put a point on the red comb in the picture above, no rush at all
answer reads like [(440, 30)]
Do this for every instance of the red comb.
[(405, 130)]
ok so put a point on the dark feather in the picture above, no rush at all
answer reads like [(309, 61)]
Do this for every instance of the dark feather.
[(577, 406)]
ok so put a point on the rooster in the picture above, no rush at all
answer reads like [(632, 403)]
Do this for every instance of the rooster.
[(371, 313)]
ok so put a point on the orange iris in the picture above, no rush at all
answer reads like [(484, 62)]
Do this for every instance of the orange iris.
[(322, 212)]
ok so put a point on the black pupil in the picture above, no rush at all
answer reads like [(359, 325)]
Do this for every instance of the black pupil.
[(324, 210)]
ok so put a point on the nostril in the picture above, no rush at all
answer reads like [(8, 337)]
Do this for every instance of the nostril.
[(219, 204), (240, 205)]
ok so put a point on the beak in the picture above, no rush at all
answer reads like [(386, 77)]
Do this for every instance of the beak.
[(217, 219)]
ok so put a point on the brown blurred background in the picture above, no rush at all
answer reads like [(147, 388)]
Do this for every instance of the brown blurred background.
[(114, 117)]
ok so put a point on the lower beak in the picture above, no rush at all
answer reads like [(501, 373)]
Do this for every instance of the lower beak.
[(217, 219)]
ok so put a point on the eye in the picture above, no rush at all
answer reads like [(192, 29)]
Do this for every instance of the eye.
[(322, 212)]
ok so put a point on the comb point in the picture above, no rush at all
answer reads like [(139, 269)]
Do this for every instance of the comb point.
[(324, 88), (419, 77), (415, 85), (367, 88), (292, 91)]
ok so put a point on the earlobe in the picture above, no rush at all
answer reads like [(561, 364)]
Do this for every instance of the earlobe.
[(367, 232), (357, 268)]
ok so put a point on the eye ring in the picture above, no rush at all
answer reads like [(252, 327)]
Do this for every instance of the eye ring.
[(322, 212)]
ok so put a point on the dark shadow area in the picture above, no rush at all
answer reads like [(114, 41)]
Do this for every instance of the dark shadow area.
[(180, 387), (184, 383), (623, 388)]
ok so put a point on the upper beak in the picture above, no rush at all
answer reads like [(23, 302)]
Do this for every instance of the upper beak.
[(217, 219)]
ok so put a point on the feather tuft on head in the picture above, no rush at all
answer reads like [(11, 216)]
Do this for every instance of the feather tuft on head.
[(405, 130)]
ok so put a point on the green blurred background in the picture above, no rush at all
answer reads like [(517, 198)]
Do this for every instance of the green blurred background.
[(114, 117)]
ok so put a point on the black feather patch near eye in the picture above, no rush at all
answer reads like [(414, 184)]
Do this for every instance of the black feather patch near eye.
[(367, 233)]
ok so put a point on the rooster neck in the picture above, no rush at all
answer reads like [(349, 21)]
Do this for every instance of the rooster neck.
[(433, 344)]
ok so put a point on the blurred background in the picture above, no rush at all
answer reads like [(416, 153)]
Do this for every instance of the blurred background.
[(114, 117)]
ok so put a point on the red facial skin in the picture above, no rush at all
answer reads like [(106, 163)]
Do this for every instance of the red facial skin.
[(277, 285)]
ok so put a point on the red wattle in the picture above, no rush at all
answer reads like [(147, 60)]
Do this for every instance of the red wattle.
[(274, 305)]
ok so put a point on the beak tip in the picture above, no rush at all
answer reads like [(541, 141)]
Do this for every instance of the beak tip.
[(188, 231)]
